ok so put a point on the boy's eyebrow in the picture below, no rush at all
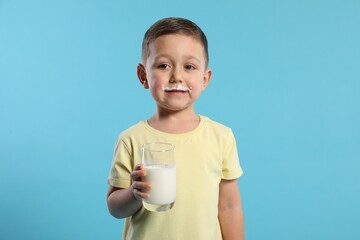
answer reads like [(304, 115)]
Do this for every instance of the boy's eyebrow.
[(193, 58), (162, 56)]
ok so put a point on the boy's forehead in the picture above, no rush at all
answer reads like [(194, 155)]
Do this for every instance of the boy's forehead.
[(169, 42)]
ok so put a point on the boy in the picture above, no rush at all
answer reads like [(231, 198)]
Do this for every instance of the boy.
[(208, 206)]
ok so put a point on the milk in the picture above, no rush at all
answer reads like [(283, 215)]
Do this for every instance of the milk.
[(163, 187)]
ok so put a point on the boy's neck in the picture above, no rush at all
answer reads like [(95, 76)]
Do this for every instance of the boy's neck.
[(174, 122)]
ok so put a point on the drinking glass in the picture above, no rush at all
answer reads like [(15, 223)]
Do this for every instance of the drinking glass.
[(159, 163)]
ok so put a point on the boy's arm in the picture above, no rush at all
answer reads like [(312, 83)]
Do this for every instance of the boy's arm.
[(122, 202), (230, 211)]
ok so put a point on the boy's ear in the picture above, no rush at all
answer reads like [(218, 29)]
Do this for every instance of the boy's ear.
[(207, 78), (141, 73)]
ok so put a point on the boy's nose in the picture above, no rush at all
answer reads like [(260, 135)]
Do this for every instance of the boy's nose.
[(175, 80), (176, 76)]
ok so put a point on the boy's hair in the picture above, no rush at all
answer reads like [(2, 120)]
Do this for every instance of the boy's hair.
[(174, 25)]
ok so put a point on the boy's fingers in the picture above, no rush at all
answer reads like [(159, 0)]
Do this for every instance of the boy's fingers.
[(139, 166), (137, 174), (140, 195), (140, 186)]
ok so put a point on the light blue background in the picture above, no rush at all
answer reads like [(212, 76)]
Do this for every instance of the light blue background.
[(286, 79)]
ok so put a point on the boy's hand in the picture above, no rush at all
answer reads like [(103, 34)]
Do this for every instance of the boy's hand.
[(139, 187)]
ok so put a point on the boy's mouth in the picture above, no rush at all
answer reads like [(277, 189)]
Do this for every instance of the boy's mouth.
[(177, 88)]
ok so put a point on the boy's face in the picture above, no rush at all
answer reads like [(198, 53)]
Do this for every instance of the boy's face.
[(175, 71)]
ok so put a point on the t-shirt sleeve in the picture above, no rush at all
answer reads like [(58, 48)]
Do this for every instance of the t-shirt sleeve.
[(231, 166), (121, 167)]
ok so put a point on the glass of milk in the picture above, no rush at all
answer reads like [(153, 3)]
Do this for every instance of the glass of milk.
[(159, 164)]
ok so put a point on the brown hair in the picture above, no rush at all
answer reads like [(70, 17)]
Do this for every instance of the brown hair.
[(173, 26)]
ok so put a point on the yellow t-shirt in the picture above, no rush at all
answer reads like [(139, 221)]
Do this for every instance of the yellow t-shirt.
[(203, 157)]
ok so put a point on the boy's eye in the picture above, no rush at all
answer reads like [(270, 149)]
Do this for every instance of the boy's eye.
[(189, 67), (164, 66)]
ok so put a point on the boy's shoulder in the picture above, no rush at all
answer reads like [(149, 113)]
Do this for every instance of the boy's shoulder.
[(133, 130), (215, 124), (216, 127)]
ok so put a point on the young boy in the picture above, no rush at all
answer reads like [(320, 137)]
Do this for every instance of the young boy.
[(208, 206)]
